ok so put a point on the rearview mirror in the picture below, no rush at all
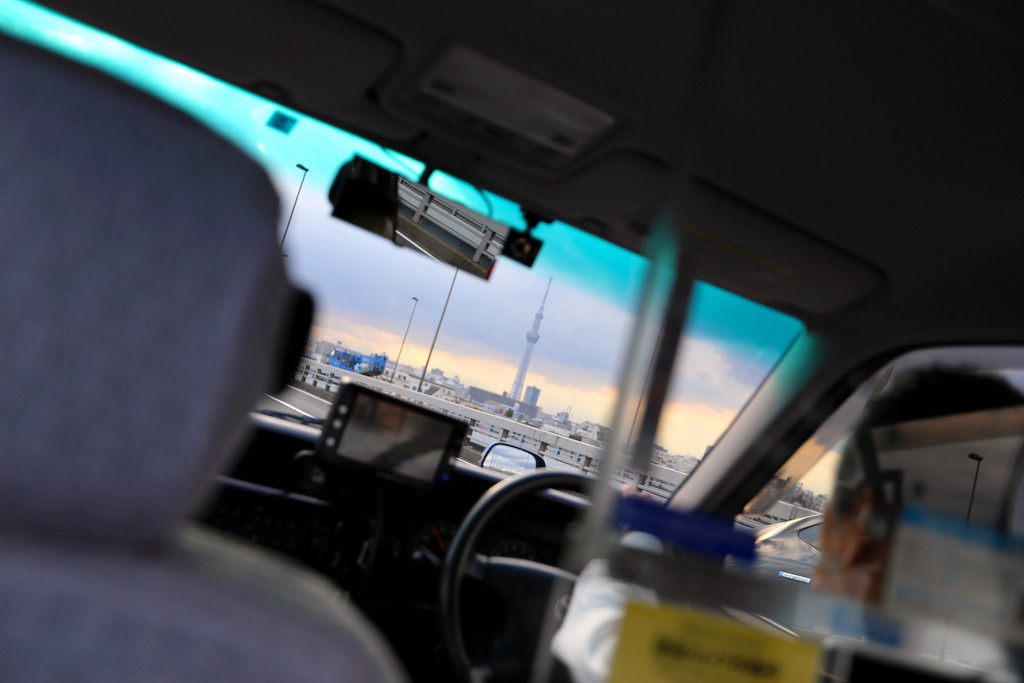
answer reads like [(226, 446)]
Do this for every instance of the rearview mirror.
[(412, 215), (509, 459)]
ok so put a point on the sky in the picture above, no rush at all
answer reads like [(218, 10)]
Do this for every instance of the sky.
[(363, 285)]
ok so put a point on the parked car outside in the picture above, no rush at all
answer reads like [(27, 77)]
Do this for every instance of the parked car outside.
[(787, 550)]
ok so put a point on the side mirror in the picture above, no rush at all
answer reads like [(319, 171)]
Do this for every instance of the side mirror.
[(509, 459)]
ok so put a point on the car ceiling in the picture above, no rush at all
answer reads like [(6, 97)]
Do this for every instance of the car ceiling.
[(859, 164)]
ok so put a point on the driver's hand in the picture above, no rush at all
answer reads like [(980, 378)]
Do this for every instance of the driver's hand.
[(634, 491)]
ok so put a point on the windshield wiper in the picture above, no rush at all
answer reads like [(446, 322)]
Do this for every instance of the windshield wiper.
[(301, 419)]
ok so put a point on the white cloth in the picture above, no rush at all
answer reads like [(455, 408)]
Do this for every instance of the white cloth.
[(586, 640)]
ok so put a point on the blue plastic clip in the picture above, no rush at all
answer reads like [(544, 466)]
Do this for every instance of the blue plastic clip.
[(691, 531)]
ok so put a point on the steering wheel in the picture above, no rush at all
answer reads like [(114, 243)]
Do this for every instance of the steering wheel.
[(523, 587)]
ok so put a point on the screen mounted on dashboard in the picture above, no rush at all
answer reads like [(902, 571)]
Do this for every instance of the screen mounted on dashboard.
[(398, 439)]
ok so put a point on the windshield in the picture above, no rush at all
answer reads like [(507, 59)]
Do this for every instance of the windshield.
[(531, 355)]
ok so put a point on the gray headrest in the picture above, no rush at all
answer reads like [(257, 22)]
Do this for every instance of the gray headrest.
[(143, 295)]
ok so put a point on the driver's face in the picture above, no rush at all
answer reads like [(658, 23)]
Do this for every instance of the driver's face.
[(853, 553)]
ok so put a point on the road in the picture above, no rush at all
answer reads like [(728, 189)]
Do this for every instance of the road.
[(297, 402)]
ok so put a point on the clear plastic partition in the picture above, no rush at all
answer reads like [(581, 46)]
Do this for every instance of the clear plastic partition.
[(888, 546)]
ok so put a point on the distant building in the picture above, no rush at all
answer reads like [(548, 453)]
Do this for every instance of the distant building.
[(404, 376), (493, 407), (794, 494), (478, 395), (557, 429), (528, 412), (439, 391), (593, 432), (669, 460), (689, 464), (532, 394)]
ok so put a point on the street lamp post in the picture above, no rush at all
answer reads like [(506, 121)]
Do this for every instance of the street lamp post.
[(288, 224), (416, 302), (976, 458), (437, 331)]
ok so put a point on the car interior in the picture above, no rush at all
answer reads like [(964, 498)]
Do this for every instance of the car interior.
[(854, 167)]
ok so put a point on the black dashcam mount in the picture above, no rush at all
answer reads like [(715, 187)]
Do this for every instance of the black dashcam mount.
[(520, 245)]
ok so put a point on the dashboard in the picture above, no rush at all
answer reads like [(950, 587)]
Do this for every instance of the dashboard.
[(380, 540)]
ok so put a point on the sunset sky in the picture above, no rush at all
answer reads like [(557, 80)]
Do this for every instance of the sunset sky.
[(363, 285)]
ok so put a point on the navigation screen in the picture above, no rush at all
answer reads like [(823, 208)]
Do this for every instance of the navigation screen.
[(394, 437)]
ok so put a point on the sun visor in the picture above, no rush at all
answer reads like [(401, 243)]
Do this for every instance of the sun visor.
[(758, 256), (300, 54)]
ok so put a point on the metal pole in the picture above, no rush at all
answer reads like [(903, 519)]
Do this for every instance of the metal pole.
[(437, 331), (288, 224), (403, 339), (977, 458)]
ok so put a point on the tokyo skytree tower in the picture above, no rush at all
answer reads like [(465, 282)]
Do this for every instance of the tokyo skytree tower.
[(531, 338)]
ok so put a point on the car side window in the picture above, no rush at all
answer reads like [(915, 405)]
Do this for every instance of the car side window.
[(812, 535), (936, 432)]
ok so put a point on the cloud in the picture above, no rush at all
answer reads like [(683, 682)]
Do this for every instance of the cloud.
[(689, 428), (356, 336), (711, 375)]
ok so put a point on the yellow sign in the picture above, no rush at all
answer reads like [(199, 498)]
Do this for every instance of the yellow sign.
[(669, 644)]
